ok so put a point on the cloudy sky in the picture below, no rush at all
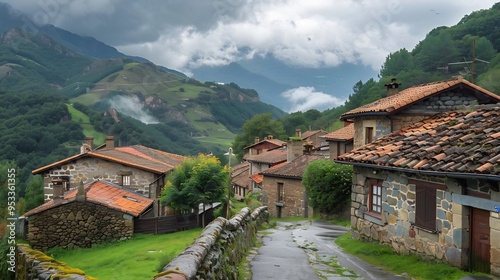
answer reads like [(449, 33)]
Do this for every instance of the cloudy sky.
[(184, 34)]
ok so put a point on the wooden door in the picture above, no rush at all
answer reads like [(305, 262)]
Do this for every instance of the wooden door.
[(480, 249)]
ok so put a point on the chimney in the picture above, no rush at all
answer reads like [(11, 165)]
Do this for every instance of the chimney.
[(81, 195), (269, 137), (392, 87), (294, 149), (88, 145), (57, 188), (110, 142), (298, 132), (257, 140)]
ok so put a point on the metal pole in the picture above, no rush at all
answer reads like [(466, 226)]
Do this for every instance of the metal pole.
[(228, 211)]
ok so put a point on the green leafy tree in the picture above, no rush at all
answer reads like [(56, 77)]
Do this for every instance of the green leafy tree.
[(260, 126), (401, 60), (34, 193), (199, 180), (328, 185)]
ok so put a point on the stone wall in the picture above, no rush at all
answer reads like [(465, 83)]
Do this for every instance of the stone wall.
[(450, 243), (89, 169), (32, 264), (219, 249), (295, 197), (77, 224)]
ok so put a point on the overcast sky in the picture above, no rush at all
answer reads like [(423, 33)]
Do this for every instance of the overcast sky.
[(181, 34), (184, 34)]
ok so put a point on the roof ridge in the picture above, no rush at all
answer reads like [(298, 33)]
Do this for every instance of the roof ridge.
[(141, 154)]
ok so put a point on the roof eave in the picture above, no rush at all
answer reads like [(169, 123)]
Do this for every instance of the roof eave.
[(424, 172), (355, 115)]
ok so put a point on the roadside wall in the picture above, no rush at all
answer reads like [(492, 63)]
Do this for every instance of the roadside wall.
[(219, 249), (34, 264)]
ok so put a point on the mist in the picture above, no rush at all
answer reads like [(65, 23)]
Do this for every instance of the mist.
[(132, 107)]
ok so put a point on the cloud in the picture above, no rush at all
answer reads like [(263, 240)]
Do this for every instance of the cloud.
[(187, 34), (305, 98)]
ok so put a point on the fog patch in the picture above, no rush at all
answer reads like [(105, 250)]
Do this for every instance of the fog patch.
[(132, 107)]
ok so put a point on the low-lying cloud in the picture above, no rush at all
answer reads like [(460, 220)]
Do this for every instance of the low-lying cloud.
[(305, 98), (132, 107)]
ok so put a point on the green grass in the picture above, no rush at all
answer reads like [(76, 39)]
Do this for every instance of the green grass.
[(140, 257), (88, 129), (87, 99), (410, 265)]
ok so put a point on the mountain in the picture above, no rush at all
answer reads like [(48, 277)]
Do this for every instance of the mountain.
[(271, 77)]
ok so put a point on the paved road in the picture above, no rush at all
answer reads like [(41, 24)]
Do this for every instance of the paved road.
[(305, 250)]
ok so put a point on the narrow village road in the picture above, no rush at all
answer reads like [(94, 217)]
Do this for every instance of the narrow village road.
[(305, 250)]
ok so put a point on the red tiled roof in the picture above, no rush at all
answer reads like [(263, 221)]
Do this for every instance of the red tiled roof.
[(276, 142), (105, 194), (310, 133), (269, 157), (414, 94), (257, 178), (343, 134), (137, 156), (456, 141), (293, 169)]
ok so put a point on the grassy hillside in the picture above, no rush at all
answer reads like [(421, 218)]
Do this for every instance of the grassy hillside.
[(84, 122)]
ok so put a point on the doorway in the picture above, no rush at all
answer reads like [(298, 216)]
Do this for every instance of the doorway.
[(480, 243)]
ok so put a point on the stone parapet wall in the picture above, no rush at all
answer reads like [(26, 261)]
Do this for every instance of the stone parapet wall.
[(33, 265), (78, 224), (219, 249)]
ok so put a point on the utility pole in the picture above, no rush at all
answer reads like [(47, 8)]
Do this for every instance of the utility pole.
[(472, 62), (228, 208)]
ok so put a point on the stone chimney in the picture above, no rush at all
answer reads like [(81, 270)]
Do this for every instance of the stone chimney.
[(110, 142), (392, 87), (257, 140), (298, 132), (294, 149), (269, 137), (88, 145), (57, 188), (81, 195)]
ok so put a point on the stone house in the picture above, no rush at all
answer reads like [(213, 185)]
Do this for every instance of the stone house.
[(433, 188), (262, 161), (137, 168), (340, 141), (283, 191), (315, 138), (96, 212), (240, 180), (411, 105), (259, 147)]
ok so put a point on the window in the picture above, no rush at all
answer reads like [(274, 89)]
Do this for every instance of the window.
[(368, 135), (375, 202), (425, 204), (125, 180), (281, 192)]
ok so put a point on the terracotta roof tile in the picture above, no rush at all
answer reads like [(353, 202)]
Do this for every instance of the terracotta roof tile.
[(275, 142), (138, 156), (310, 133), (257, 178), (292, 169), (240, 174), (470, 148), (269, 157), (414, 94), (345, 133), (105, 194)]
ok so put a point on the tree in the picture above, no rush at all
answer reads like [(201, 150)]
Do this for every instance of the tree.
[(328, 185), (34, 193), (199, 180), (401, 60), (260, 126)]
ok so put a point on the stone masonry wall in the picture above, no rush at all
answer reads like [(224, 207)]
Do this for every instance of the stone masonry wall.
[(295, 203), (219, 249), (32, 264), (451, 241), (89, 169), (77, 224)]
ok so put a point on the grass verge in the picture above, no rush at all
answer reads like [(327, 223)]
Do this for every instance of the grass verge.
[(140, 257), (410, 265)]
